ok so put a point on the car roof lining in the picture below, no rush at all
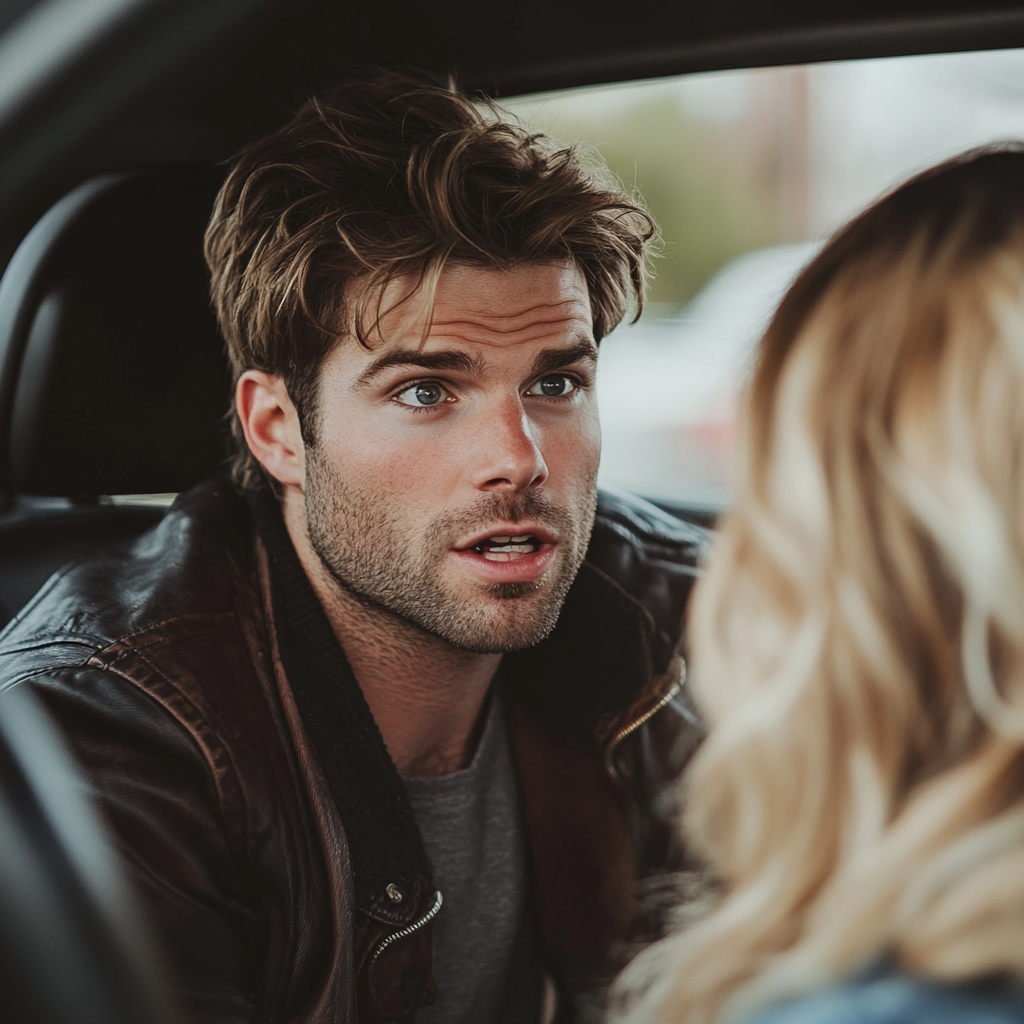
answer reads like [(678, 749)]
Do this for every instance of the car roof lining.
[(238, 71), (802, 44)]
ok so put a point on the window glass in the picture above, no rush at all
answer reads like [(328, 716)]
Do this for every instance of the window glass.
[(746, 171)]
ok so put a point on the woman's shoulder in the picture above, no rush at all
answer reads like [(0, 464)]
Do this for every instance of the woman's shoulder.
[(895, 999)]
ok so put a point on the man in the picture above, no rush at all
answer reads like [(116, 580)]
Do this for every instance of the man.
[(379, 724)]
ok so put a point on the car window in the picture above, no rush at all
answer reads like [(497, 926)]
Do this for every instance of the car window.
[(747, 171)]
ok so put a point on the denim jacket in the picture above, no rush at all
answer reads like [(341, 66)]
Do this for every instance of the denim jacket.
[(891, 998)]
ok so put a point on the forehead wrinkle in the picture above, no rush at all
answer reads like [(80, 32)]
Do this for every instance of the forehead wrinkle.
[(478, 332), (466, 328), (485, 319)]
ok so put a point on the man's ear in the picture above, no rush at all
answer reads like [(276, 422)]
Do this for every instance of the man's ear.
[(271, 425)]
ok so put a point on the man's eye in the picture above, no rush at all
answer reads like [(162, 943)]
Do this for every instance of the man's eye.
[(554, 385), (421, 395)]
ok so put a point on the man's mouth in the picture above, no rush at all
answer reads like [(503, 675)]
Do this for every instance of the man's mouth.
[(506, 547), (513, 553)]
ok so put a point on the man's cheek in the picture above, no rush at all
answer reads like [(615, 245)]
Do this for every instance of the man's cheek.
[(572, 461), (403, 468)]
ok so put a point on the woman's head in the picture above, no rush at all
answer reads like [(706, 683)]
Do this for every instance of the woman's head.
[(858, 641)]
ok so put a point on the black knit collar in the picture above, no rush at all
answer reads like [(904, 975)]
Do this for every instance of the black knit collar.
[(384, 841)]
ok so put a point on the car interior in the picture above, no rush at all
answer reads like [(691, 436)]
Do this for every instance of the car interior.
[(73, 947), (116, 117)]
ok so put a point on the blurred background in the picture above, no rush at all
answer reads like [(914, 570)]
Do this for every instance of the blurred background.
[(746, 172)]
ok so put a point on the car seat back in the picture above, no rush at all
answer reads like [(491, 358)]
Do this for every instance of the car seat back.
[(112, 375)]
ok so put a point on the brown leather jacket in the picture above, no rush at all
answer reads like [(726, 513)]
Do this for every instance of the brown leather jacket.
[(160, 660)]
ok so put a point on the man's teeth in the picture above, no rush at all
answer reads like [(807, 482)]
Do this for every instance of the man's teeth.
[(506, 548)]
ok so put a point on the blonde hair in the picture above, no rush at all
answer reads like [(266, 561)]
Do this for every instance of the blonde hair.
[(858, 639)]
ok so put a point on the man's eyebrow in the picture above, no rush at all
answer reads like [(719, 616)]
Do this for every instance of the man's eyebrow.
[(554, 358), (459, 361)]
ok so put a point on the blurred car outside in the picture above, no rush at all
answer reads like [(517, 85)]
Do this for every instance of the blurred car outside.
[(668, 385)]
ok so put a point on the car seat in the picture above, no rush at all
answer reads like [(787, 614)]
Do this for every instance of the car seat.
[(113, 381)]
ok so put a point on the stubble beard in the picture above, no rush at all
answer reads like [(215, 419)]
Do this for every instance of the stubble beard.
[(365, 546)]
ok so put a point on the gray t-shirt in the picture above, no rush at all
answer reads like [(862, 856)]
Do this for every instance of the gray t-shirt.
[(486, 961)]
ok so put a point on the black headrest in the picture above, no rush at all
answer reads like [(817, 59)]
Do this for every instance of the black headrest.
[(112, 374)]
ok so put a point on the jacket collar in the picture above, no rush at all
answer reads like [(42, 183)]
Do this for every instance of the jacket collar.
[(594, 664), (591, 668), (384, 841)]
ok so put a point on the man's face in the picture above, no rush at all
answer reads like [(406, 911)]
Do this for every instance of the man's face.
[(453, 481)]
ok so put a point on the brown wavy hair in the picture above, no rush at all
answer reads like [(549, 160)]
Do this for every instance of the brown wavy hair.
[(858, 639), (393, 177)]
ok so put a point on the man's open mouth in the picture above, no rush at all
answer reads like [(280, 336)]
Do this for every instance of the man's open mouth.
[(507, 548)]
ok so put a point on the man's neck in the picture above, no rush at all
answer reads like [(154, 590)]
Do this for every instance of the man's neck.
[(425, 695)]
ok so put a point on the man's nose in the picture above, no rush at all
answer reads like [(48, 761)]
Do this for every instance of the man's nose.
[(508, 450)]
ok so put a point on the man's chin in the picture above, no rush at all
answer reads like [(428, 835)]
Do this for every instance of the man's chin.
[(503, 626), (496, 642)]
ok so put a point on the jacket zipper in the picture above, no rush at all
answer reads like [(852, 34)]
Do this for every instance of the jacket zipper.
[(631, 727), (409, 929)]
